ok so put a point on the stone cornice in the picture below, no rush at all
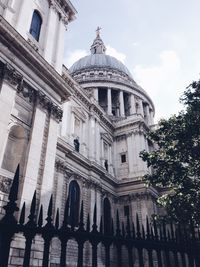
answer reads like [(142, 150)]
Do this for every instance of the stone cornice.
[(19, 48), (65, 9)]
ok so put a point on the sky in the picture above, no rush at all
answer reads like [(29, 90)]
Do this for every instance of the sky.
[(159, 42)]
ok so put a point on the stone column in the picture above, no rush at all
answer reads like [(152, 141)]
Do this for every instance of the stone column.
[(110, 160), (151, 117), (83, 134), (92, 138), (59, 46), (33, 158), (132, 101), (102, 152), (131, 152), (141, 111), (24, 17), (92, 203), (72, 127), (48, 174), (109, 101), (50, 34), (96, 96), (147, 114), (60, 185), (121, 101), (97, 142), (7, 101), (98, 201)]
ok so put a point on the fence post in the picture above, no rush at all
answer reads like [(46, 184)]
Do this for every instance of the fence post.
[(8, 224), (47, 234), (30, 232)]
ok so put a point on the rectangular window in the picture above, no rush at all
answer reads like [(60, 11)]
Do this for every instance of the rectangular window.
[(123, 158)]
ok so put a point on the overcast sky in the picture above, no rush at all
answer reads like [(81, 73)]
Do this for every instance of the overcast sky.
[(159, 42)]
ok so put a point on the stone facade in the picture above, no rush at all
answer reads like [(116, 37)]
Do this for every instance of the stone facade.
[(87, 124)]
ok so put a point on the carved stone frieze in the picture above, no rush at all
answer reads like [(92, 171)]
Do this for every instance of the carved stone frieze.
[(12, 76), (15, 79), (46, 103), (5, 184)]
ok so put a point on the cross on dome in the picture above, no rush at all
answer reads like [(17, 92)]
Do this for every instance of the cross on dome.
[(98, 31)]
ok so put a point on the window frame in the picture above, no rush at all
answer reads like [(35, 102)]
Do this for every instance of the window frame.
[(36, 25)]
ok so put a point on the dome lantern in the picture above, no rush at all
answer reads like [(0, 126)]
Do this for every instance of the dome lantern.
[(98, 46)]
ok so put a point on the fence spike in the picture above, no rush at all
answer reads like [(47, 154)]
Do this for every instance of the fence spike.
[(172, 231), (40, 218), (168, 235), (112, 227), (123, 230), (22, 215), (128, 228), (147, 227), (88, 223), (49, 212), (118, 231), (143, 232), (160, 233), (164, 230), (152, 233), (57, 219), (32, 211), (101, 226), (138, 227), (155, 228), (11, 206), (81, 223), (15, 186), (133, 230), (94, 226)]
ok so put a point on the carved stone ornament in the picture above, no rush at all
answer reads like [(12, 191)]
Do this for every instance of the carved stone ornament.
[(12, 76), (46, 103), (5, 184)]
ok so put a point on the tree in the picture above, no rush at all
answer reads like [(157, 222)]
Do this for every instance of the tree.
[(175, 163)]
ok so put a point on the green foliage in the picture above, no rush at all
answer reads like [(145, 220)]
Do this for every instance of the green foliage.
[(175, 164)]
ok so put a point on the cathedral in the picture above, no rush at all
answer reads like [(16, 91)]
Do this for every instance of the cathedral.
[(76, 132)]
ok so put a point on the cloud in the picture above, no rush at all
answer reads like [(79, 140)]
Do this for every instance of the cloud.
[(73, 56), (163, 83), (114, 53)]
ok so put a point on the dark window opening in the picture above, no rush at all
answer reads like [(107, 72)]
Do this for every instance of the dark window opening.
[(76, 145), (74, 199), (106, 164), (107, 216), (123, 158), (36, 24), (102, 96)]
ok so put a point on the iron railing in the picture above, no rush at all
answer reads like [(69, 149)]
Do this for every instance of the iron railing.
[(168, 245)]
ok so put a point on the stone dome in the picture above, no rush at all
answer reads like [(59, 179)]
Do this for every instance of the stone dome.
[(99, 61)]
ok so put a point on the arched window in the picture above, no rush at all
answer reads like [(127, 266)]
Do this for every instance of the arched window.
[(36, 24), (74, 200), (107, 215), (15, 148)]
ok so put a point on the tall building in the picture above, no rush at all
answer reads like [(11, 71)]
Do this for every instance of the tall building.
[(75, 132)]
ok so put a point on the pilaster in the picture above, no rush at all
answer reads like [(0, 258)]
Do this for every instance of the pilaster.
[(109, 101), (121, 101)]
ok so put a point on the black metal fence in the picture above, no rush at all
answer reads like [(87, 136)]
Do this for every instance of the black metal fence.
[(168, 245)]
